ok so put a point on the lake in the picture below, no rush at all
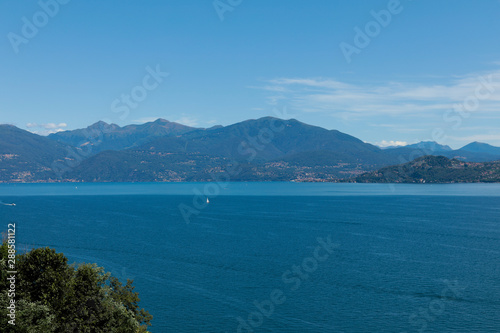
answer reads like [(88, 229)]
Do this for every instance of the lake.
[(282, 257)]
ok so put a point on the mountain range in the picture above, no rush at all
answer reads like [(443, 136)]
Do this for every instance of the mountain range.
[(102, 136), (265, 149), (473, 152)]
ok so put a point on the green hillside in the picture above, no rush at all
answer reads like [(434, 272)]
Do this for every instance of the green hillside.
[(434, 169)]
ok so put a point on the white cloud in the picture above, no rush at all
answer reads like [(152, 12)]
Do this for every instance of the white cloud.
[(46, 126), (188, 121), (46, 129), (391, 143)]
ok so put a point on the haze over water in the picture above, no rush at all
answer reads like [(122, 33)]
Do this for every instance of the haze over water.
[(409, 258)]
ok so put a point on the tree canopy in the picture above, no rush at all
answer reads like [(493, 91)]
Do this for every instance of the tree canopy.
[(53, 296)]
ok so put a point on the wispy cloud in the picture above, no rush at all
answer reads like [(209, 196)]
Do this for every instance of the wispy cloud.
[(391, 143), (188, 121), (46, 129), (354, 101)]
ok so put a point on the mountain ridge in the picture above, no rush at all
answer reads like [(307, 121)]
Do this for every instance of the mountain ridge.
[(480, 147), (426, 145), (26, 157), (103, 136), (264, 149)]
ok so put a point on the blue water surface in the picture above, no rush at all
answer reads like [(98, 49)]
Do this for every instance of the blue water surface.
[(407, 258)]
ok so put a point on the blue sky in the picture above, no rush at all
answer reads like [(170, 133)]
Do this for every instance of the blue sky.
[(429, 70)]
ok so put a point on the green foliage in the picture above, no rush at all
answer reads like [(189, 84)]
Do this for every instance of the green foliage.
[(130, 299), (3, 263), (52, 296), (43, 277), (31, 317)]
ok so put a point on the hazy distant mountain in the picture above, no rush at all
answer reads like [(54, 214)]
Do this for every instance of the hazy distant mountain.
[(478, 147), (434, 169), (27, 157), (102, 136), (408, 153), (476, 152), (431, 146)]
